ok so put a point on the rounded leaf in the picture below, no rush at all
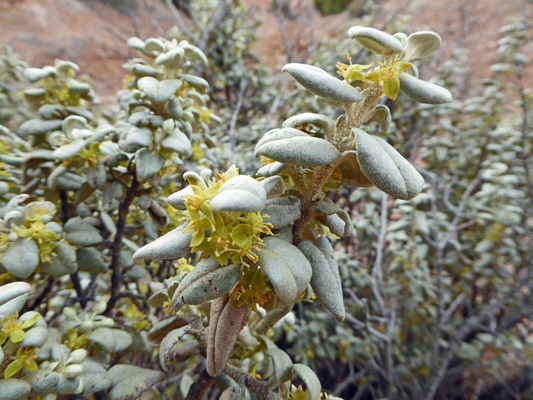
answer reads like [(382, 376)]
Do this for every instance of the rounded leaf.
[(292, 146), (311, 381), (14, 389), (323, 281), (420, 44), (386, 168), (21, 258), (280, 275), (12, 297), (240, 194), (81, 233), (173, 245), (158, 91), (322, 84), (375, 40), (422, 91)]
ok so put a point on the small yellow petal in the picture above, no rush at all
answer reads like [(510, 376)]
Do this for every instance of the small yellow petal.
[(373, 76), (403, 66), (391, 88)]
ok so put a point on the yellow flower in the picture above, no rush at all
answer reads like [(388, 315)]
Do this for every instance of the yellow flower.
[(352, 71), (387, 76)]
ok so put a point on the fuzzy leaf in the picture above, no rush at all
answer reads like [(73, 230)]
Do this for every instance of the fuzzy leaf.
[(420, 44), (21, 258), (292, 146), (148, 163), (422, 91), (310, 379), (239, 194), (158, 91), (375, 40), (322, 84), (173, 245)]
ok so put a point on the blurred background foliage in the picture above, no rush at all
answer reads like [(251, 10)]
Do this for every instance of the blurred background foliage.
[(438, 290)]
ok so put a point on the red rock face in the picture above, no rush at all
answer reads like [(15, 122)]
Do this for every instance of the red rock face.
[(93, 34)]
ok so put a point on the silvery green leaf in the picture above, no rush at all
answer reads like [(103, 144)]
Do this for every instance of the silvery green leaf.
[(194, 81), (165, 349), (112, 195), (13, 296), (34, 97), (31, 314), (319, 120), (68, 180), (78, 87), (402, 37), (111, 340), (311, 381), (280, 275), (382, 116), (69, 150), (145, 70), (138, 137), (292, 146), (282, 365), (241, 194), (153, 45), (176, 199), (271, 169), (16, 217), (81, 233), (194, 53), (161, 328), (322, 84), (323, 281), (34, 337), (337, 219), (281, 211), (173, 245), (42, 382), (148, 163), (178, 142), (324, 245), (158, 91), (174, 108), (130, 381), (95, 176), (71, 123), (39, 126), (212, 285), (422, 91), (420, 44), (51, 111), (135, 43), (274, 186), (66, 67), (375, 40), (136, 272), (21, 258), (232, 393), (69, 386), (351, 171), (14, 389), (95, 382), (90, 260), (145, 118), (297, 262), (36, 74), (386, 168), (62, 263)]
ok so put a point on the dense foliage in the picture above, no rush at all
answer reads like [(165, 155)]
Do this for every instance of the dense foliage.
[(137, 260)]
